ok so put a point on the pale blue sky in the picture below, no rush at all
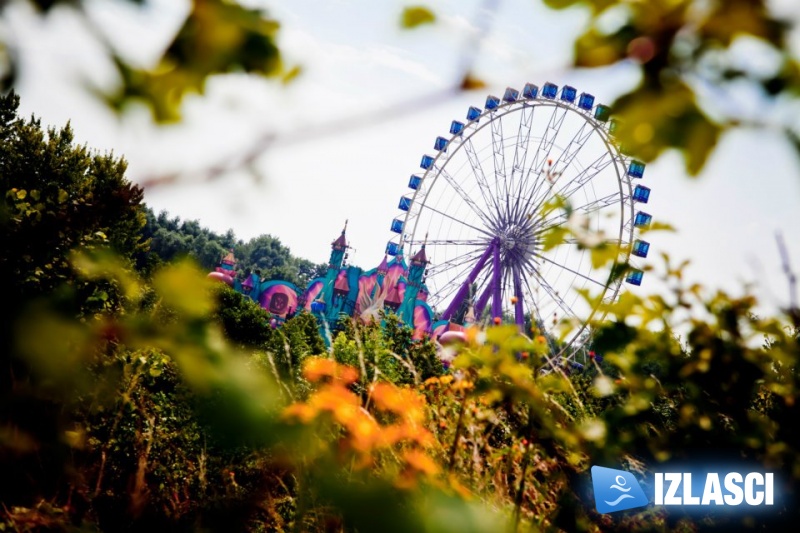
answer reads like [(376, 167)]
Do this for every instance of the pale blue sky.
[(357, 61)]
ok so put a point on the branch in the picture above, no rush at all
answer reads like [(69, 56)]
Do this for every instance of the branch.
[(790, 275)]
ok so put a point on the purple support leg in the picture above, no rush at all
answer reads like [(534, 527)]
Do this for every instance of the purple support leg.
[(479, 307), (458, 299), (519, 313), (497, 278)]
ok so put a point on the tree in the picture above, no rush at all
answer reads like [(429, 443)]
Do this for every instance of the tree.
[(170, 239), (58, 197)]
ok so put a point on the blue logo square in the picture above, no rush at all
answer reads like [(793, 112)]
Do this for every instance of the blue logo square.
[(616, 490)]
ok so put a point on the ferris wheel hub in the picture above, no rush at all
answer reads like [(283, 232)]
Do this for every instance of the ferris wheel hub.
[(518, 238)]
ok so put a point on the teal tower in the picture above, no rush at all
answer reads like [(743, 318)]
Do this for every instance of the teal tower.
[(416, 273), (328, 303)]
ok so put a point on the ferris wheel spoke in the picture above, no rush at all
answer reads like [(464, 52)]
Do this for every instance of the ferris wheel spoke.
[(548, 139), (499, 159), (454, 263), (548, 260), (445, 215), (448, 242), (542, 154), (565, 159), (480, 176), (522, 144), (555, 296), (575, 145), (485, 217), (575, 184), (449, 288), (587, 208), (462, 284), (537, 316), (585, 176), (485, 290)]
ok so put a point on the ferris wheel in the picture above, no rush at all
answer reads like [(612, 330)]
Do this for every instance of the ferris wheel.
[(483, 205)]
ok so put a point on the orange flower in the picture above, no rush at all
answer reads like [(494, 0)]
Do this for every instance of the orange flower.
[(304, 412), (421, 462), (363, 430), (318, 368), (406, 403)]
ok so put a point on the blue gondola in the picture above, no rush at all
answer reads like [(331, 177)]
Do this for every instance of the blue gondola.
[(636, 169), (568, 94), (492, 102), (550, 90), (635, 277), (511, 95), (530, 91), (640, 248), (586, 101), (641, 194), (642, 219)]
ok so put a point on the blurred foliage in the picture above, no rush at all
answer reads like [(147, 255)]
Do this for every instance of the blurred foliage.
[(698, 78), (171, 238), (691, 57), (217, 37), (414, 16)]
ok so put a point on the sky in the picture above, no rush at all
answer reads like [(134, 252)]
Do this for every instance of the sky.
[(370, 101)]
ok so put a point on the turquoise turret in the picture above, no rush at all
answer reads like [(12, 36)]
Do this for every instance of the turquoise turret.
[(324, 306), (416, 273)]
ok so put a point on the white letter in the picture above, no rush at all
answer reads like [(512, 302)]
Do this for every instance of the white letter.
[(712, 490), (659, 488), (768, 489), (670, 498), (736, 495), (688, 499), (753, 478)]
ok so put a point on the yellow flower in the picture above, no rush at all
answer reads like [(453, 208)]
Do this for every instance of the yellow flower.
[(432, 381)]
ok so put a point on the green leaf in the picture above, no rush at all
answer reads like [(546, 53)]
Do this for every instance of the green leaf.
[(185, 289), (414, 16), (554, 237)]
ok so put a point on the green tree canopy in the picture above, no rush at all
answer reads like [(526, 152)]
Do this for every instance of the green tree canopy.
[(57, 197)]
